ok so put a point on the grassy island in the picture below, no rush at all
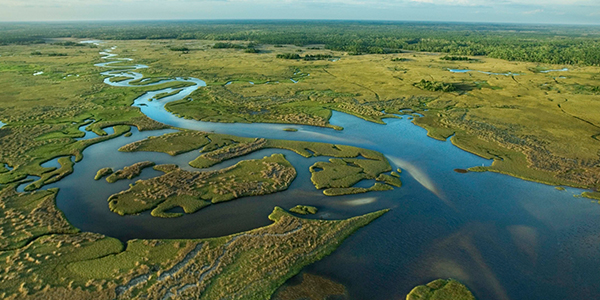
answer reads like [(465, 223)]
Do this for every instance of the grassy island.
[(195, 190), (312, 287), (304, 210), (350, 166), (129, 172), (103, 172), (441, 289)]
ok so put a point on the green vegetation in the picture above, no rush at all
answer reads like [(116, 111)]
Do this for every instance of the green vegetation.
[(495, 116), (435, 86), (390, 179), (53, 175), (290, 129), (338, 173), (307, 57), (455, 58), (319, 56), (341, 191), (288, 56), (505, 118), (48, 259), (129, 172), (27, 216), (44, 128), (180, 49), (304, 210), (195, 190), (591, 195), (228, 46), (224, 147), (172, 144), (164, 95), (103, 172), (441, 289), (312, 287), (166, 168), (514, 42), (189, 204)]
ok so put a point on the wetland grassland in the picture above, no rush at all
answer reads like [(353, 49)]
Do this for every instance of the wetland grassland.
[(336, 177), (536, 125), (195, 190), (43, 257), (536, 120)]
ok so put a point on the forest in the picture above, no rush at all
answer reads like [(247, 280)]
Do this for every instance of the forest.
[(554, 44)]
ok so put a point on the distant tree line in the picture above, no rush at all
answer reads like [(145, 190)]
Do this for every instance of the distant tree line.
[(536, 43), (179, 48), (307, 57), (288, 56), (454, 58), (435, 86), (228, 46)]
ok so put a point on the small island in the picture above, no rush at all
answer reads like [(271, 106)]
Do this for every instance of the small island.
[(441, 289), (304, 210), (129, 172)]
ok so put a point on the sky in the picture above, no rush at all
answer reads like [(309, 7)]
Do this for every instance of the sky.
[(509, 11)]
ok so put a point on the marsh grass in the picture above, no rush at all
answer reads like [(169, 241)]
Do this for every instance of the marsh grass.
[(304, 210), (195, 190), (441, 289)]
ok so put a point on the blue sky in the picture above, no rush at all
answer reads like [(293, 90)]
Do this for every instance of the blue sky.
[(519, 11)]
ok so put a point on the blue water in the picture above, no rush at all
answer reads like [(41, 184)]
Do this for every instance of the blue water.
[(558, 70), (53, 163), (488, 73), (25, 182), (504, 237), (90, 134)]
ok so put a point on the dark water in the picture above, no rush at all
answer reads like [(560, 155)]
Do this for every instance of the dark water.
[(505, 238)]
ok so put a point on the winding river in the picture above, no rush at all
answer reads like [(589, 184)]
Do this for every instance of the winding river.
[(503, 237)]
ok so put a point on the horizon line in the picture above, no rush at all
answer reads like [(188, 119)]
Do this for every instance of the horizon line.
[(298, 20)]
